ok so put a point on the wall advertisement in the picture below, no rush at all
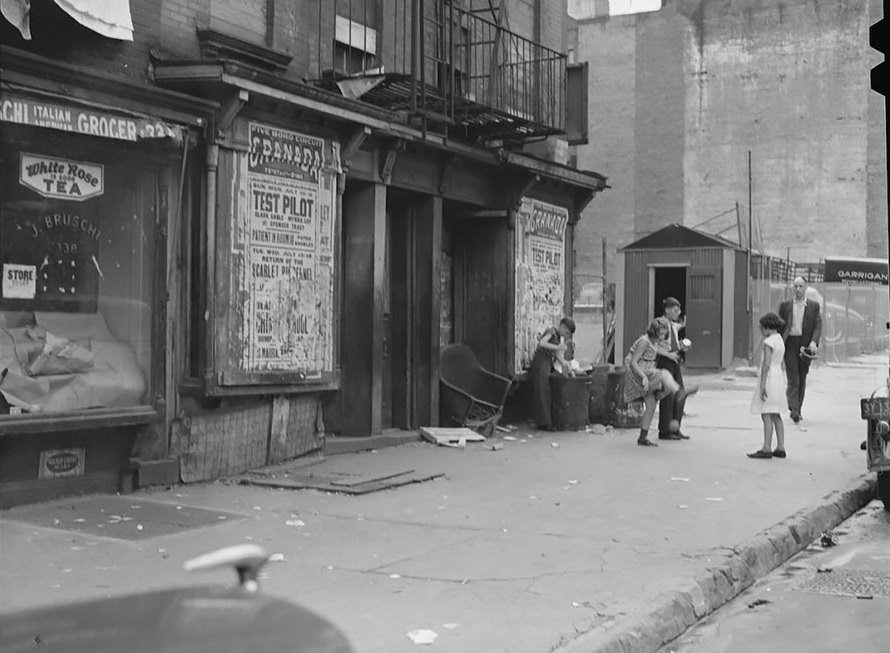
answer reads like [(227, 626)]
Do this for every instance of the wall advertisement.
[(286, 238), (540, 274)]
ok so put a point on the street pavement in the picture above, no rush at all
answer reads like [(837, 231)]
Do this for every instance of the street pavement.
[(569, 541), (833, 596)]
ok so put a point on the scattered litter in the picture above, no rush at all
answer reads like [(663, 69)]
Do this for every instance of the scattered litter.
[(757, 602), (80, 520), (510, 438), (221, 517), (829, 538), (555, 445), (713, 498), (450, 626), (680, 478), (395, 575), (508, 428), (277, 557), (76, 548), (423, 636), (573, 482), (867, 597), (824, 570), (299, 523), (138, 527), (682, 506), (497, 446), (255, 507)]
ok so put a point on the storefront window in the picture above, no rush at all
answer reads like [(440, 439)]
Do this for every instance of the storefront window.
[(78, 251)]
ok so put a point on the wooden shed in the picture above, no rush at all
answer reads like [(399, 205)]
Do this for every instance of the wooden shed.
[(706, 273)]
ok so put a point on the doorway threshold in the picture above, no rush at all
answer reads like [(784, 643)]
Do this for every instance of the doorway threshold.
[(352, 444)]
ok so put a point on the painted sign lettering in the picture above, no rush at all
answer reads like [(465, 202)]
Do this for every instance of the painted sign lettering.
[(61, 178), (81, 120)]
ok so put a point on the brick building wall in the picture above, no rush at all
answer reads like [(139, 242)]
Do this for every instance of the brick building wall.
[(713, 79)]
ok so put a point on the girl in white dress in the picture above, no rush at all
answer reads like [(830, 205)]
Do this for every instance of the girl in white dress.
[(769, 397)]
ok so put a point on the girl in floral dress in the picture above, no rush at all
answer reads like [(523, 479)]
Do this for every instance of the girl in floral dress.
[(643, 380)]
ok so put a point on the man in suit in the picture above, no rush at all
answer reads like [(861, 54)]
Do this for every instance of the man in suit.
[(671, 407), (803, 327)]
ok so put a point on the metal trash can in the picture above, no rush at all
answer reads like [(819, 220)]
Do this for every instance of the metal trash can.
[(598, 406), (569, 401), (621, 414)]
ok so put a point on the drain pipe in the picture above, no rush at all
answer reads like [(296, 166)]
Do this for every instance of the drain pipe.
[(212, 164)]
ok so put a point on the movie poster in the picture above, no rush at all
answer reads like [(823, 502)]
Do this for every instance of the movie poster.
[(540, 274), (287, 240)]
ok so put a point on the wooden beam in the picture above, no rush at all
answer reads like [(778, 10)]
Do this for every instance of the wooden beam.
[(353, 145), (229, 110), (389, 161)]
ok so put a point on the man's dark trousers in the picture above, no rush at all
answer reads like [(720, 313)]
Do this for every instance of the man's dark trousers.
[(796, 368), (671, 407)]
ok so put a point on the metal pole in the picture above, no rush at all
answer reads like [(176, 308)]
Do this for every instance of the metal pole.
[(605, 286), (749, 299)]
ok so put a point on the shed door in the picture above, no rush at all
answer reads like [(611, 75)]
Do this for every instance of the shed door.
[(703, 316)]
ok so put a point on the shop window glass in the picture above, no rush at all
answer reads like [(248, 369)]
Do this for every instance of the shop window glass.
[(78, 264)]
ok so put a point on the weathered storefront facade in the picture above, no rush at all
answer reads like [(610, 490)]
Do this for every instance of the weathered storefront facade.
[(213, 266)]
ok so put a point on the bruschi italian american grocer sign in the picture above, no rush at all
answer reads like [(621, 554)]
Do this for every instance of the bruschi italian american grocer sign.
[(83, 120)]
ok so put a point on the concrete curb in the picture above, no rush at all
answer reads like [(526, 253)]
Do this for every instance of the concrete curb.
[(749, 562)]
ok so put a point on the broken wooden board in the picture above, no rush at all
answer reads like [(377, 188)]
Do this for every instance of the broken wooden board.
[(450, 437), (338, 482)]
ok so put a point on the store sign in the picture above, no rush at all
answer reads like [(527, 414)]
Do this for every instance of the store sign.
[(856, 271), (82, 120), (61, 178), (19, 281), (55, 463), (540, 274)]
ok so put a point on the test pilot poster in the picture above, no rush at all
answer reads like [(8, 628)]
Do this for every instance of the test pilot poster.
[(540, 273), (286, 233)]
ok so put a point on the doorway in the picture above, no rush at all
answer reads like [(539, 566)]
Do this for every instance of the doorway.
[(668, 282)]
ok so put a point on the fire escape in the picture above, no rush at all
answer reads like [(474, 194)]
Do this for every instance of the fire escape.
[(450, 66)]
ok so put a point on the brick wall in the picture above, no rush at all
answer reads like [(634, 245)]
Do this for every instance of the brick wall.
[(610, 46), (678, 98)]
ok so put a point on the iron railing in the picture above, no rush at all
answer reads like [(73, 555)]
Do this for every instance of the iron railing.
[(445, 61)]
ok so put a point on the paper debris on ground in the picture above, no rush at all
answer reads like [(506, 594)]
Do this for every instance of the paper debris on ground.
[(423, 636), (450, 437)]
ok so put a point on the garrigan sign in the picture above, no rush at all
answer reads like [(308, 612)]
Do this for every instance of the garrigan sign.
[(856, 271)]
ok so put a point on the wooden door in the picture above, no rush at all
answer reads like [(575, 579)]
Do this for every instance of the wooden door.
[(703, 316)]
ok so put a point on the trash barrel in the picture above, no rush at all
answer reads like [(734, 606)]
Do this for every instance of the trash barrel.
[(598, 407), (569, 401), (621, 414)]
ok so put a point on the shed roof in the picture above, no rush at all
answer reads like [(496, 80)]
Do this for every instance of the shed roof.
[(676, 236)]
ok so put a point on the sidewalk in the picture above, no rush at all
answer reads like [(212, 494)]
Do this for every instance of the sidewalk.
[(570, 542)]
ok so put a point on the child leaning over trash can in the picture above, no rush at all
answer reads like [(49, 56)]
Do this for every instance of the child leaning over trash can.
[(551, 348)]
